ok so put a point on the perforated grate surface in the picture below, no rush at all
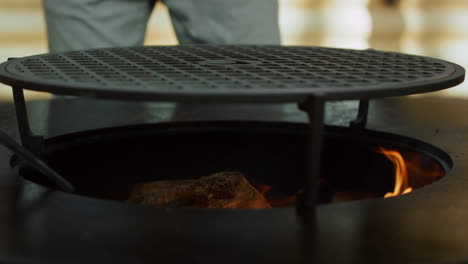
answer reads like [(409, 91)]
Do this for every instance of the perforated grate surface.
[(241, 73)]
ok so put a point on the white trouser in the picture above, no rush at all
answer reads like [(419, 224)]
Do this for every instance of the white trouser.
[(83, 24)]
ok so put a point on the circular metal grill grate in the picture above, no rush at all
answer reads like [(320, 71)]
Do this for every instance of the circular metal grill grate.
[(229, 70)]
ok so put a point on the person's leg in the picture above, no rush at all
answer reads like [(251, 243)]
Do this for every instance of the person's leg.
[(83, 24), (225, 21), (86, 24)]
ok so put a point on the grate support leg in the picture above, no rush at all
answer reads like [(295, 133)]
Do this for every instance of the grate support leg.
[(361, 119), (314, 107), (31, 141)]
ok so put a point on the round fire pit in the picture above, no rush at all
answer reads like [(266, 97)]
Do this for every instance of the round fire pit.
[(106, 163), (308, 76)]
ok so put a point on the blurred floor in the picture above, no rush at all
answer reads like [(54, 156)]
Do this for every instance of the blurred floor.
[(426, 27)]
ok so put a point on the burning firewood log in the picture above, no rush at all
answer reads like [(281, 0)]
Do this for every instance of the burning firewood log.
[(219, 190)]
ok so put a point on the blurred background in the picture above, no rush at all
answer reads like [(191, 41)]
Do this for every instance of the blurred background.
[(433, 28)]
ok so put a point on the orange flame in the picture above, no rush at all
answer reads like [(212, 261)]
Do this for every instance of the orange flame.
[(401, 172)]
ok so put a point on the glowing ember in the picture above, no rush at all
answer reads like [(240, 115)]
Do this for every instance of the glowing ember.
[(277, 200), (401, 172), (252, 204), (263, 188), (282, 201)]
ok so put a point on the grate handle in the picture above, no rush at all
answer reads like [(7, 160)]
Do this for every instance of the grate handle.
[(36, 162)]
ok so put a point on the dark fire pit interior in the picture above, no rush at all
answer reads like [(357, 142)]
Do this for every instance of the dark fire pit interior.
[(106, 163)]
